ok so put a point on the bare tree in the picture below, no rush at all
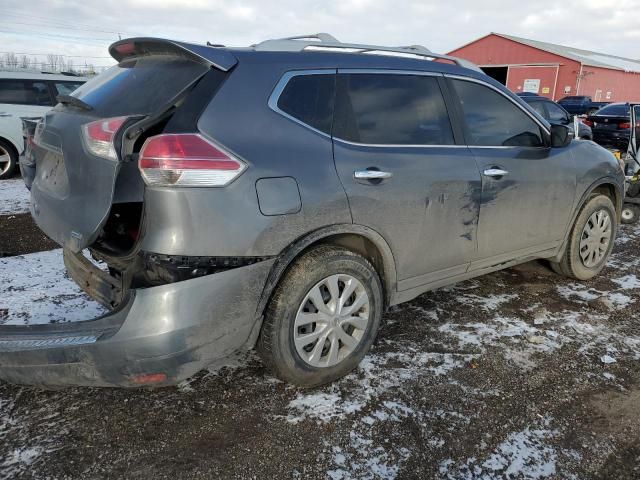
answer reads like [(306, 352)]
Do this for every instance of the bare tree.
[(25, 62), (11, 60)]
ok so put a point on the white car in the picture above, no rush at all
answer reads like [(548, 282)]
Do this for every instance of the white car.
[(25, 94)]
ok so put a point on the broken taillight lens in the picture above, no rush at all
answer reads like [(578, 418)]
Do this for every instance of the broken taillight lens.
[(187, 160), (99, 135)]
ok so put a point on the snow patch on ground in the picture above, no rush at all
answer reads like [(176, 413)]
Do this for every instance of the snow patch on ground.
[(14, 197), (377, 374), (35, 289), (612, 300), (363, 460), (525, 454), (487, 303), (627, 282), (18, 458)]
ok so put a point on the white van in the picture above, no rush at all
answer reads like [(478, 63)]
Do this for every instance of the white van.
[(26, 94)]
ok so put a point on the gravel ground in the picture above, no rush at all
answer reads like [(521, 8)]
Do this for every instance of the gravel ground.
[(518, 374)]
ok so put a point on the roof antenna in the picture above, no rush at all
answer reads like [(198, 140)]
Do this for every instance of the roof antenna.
[(209, 44)]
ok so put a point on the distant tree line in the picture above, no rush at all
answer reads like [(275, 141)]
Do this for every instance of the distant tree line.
[(53, 63)]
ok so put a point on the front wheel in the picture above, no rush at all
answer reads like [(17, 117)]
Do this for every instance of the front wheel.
[(322, 318), (630, 214), (590, 241)]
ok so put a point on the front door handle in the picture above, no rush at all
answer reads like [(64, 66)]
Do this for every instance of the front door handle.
[(371, 175), (495, 172)]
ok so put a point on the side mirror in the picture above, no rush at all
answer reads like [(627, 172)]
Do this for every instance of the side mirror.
[(560, 136)]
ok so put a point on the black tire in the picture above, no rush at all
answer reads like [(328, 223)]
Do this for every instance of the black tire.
[(630, 214), (571, 264), (7, 169), (276, 342)]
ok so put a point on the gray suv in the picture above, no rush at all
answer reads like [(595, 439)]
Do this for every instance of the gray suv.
[(282, 196)]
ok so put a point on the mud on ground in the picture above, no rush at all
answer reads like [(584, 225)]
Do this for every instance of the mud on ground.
[(519, 374)]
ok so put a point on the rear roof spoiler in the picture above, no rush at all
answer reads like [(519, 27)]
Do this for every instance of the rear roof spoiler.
[(133, 47)]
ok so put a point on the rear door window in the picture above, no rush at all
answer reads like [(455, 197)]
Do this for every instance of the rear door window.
[(493, 120), (309, 98), (65, 88), (140, 85), (25, 92), (391, 109)]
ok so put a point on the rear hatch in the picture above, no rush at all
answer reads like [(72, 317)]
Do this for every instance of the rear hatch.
[(80, 146)]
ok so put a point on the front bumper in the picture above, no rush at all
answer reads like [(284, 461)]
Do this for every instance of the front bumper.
[(160, 335)]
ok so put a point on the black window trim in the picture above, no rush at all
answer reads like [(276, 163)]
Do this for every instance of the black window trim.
[(281, 85), (284, 80), (545, 128)]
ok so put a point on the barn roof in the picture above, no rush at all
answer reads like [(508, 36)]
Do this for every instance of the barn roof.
[(586, 57)]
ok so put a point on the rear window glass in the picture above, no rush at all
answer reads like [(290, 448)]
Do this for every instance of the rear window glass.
[(65, 88), (573, 99), (139, 85), (25, 92), (620, 110), (309, 98), (390, 109)]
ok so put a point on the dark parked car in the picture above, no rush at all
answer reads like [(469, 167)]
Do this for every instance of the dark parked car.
[(283, 196), (611, 125), (580, 104), (556, 115)]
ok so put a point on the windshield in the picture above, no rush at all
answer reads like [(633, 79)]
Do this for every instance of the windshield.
[(139, 85)]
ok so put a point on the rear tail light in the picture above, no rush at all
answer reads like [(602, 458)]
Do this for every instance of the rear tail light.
[(588, 123), (624, 125), (187, 160), (99, 135)]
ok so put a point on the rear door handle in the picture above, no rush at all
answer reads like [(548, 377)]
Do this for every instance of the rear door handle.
[(495, 172), (371, 175)]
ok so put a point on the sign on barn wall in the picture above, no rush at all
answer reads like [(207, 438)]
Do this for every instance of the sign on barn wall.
[(531, 85)]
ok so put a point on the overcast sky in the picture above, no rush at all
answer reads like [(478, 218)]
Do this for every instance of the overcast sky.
[(83, 30)]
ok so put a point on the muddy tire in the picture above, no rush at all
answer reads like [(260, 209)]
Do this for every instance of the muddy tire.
[(630, 214), (590, 240), (8, 159), (322, 318)]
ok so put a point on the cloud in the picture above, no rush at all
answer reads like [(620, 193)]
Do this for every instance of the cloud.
[(44, 26)]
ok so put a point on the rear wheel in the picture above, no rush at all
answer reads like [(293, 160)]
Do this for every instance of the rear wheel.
[(322, 318), (8, 159), (590, 241), (630, 213)]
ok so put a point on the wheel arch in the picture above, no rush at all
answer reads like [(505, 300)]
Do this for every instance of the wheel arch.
[(12, 144), (358, 238), (605, 185)]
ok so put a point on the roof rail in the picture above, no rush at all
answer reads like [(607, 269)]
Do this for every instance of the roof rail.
[(324, 41)]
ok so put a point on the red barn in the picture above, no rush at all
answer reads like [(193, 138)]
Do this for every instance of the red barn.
[(554, 71)]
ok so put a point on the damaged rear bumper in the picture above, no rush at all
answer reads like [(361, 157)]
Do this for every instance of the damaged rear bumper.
[(160, 335)]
